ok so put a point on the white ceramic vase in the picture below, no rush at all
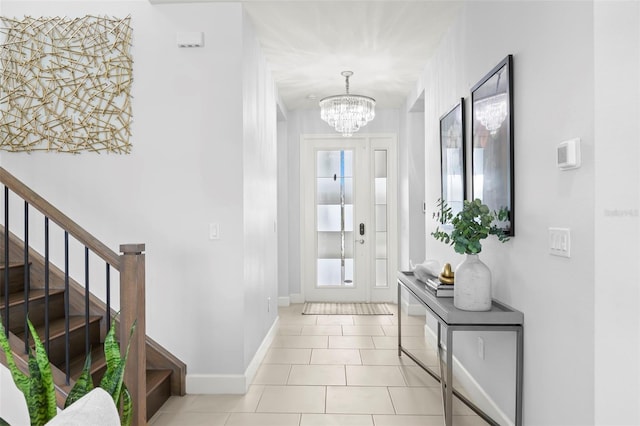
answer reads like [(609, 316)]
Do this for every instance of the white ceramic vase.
[(472, 288)]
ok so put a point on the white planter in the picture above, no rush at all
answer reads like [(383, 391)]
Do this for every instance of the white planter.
[(472, 289)]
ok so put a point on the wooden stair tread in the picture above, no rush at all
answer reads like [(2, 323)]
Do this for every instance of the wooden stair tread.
[(16, 299), (97, 362), (155, 378), (11, 265), (160, 382), (57, 327), (158, 390)]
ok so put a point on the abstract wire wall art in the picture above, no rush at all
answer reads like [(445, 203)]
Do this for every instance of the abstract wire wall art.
[(65, 84)]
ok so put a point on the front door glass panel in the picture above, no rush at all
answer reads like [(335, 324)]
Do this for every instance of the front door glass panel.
[(380, 212), (334, 218)]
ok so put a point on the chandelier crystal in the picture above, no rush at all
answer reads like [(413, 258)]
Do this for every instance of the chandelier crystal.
[(347, 113), (492, 111)]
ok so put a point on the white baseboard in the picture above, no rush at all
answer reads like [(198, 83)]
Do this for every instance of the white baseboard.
[(214, 384), (413, 309), (251, 370), (432, 337), (296, 298), (471, 387), (284, 301)]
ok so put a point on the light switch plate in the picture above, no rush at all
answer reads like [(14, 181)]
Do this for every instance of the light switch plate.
[(560, 242), (214, 231)]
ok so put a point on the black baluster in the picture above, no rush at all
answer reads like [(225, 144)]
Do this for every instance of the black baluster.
[(86, 301), (6, 261), (66, 306), (108, 297), (26, 277), (46, 283)]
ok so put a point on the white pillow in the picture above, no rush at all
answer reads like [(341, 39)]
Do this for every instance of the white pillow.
[(427, 269), (95, 408)]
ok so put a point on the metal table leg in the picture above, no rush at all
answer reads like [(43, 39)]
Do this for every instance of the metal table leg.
[(441, 367), (448, 413), (445, 376), (519, 373), (399, 322)]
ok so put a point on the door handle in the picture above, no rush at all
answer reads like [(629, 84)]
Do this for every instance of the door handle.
[(361, 241)]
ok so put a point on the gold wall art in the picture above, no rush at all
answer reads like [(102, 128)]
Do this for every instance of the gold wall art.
[(65, 84)]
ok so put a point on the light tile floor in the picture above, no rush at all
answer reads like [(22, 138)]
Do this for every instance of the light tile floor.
[(340, 370)]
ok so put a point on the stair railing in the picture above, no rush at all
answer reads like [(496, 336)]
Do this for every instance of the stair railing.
[(131, 267)]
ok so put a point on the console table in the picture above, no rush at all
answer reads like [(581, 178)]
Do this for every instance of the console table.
[(500, 318)]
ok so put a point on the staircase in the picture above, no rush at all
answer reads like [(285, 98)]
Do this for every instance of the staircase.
[(70, 320)]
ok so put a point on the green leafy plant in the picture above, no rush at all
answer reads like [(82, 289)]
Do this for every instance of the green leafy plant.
[(38, 387), (473, 223)]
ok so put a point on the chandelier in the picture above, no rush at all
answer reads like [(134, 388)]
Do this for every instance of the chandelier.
[(347, 113), (492, 111)]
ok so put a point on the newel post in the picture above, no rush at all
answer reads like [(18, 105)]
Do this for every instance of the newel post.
[(132, 308)]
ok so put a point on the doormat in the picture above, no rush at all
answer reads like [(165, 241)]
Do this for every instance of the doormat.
[(346, 309)]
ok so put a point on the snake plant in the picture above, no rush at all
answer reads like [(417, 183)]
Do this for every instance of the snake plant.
[(38, 387)]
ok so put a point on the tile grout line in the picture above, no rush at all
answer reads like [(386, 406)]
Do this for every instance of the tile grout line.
[(344, 368), (395, 411)]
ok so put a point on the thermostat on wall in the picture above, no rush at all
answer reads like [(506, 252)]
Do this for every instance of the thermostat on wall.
[(568, 154)]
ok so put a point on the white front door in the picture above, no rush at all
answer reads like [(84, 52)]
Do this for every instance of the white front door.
[(348, 211)]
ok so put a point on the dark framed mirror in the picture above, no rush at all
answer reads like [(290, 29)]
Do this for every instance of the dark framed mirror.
[(492, 140), (452, 157)]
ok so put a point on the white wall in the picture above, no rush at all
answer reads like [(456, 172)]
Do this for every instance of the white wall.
[(552, 44), (187, 170), (283, 213), (617, 195), (260, 195), (415, 170), (203, 152)]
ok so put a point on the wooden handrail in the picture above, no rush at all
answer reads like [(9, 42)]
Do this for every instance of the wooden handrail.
[(131, 267), (60, 219)]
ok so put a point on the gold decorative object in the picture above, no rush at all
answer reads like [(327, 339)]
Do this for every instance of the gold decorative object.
[(447, 275), (65, 84)]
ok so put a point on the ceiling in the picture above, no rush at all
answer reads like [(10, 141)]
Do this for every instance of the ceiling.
[(309, 43)]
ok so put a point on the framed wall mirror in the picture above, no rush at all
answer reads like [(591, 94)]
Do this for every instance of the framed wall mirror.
[(452, 157), (492, 140)]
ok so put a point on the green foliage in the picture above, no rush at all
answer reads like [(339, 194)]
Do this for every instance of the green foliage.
[(127, 407), (38, 387), (473, 223), (113, 379), (83, 385)]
